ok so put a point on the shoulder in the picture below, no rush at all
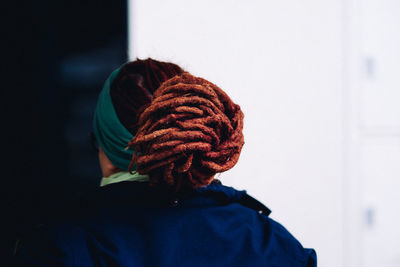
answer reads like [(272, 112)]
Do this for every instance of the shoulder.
[(52, 245), (267, 236), (287, 247)]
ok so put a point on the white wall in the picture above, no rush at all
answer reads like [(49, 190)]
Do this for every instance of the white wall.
[(281, 61)]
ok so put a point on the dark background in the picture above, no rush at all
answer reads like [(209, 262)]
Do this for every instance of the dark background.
[(57, 56)]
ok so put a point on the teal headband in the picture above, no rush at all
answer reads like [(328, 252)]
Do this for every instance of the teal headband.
[(111, 135)]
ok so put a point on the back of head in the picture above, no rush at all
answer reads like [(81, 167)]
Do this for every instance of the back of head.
[(125, 94), (190, 131), (180, 129)]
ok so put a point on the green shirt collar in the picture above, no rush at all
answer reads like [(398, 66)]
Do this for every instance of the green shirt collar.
[(122, 177)]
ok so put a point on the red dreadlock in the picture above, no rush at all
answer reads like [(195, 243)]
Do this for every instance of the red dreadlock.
[(190, 131)]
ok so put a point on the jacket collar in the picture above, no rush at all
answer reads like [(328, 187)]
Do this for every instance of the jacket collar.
[(141, 194)]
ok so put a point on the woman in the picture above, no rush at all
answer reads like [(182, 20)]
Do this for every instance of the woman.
[(163, 134)]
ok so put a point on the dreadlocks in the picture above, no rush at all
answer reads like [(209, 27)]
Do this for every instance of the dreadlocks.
[(133, 88), (190, 131)]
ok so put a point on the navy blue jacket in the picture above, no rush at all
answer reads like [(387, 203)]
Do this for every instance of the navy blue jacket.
[(132, 224)]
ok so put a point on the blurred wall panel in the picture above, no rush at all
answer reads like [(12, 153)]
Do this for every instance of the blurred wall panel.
[(282, 62), (380, 47), (380, 132), (381, 201)]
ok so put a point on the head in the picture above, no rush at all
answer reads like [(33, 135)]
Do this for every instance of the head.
[(126, 93), (184, 129)]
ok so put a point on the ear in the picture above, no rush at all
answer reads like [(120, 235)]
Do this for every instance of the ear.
[(107, 168)]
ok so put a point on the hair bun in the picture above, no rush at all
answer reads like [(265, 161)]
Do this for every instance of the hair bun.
[(191, 131)]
